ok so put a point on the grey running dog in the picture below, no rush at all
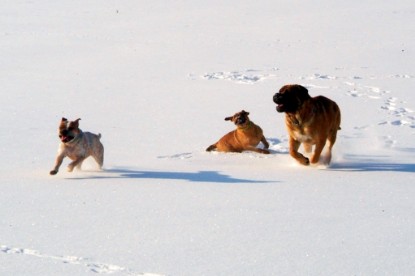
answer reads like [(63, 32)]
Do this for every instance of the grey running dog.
[(77, 145)]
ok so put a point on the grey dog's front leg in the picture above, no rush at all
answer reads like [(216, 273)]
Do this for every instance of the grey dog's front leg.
[(76, 163), (58, 163)]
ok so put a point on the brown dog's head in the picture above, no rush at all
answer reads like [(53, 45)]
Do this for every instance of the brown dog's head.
[(290, 98), (240, 118), (68, 130)]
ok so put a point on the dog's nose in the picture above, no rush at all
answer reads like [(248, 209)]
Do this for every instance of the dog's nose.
[(240, 120), (276, 97)]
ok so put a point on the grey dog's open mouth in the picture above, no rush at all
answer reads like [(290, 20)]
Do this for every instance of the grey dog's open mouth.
[(65, 139)]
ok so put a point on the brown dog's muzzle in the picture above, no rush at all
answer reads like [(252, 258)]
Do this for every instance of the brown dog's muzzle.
[(240, 120), (278, 99)]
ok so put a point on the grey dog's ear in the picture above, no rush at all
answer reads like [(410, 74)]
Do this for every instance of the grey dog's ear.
[(76, 122)]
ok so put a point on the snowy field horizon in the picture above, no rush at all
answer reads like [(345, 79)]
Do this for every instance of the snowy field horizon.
[(156, 80)]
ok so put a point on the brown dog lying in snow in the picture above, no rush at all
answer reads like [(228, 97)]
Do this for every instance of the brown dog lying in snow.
[(246, 136)]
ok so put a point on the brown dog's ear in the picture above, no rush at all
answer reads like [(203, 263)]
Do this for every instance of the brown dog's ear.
[(64, 119), (302, 92), (245, 112), (228, 118), (285, 88)]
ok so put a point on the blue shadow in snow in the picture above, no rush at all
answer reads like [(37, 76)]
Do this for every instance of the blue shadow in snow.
[(201, 176), (370, 163)]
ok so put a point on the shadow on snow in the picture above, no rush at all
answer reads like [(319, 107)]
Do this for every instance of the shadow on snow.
[(201, 176), (370, 163)]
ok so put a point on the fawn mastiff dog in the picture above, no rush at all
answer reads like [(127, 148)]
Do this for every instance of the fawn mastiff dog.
[(311, 121), (77, 145), (245, 138)]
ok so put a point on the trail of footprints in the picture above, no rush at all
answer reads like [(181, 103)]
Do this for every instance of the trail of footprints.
[(95, 267), (403, 116)]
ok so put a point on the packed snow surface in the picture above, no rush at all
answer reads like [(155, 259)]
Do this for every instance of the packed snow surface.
[(156, 79)]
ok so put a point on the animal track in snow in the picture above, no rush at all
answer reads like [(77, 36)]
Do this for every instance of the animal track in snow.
[(359, 90), (404, 115), (402, 76), (391, 105), (249, 76), (388, 141), (317, 76), (185, 155), (308, 85), (354, 93), (278, 145), (92, 266)]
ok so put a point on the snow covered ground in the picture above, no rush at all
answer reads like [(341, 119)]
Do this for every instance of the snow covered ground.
[(156, 79)]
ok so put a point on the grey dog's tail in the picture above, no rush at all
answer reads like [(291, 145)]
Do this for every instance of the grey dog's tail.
[(99, 135)]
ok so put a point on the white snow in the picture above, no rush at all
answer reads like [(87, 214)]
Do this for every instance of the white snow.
[(156, 79)]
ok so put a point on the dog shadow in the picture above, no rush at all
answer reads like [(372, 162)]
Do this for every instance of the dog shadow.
[(273, 141), (200, 176), (363, 163), (277, 146)]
